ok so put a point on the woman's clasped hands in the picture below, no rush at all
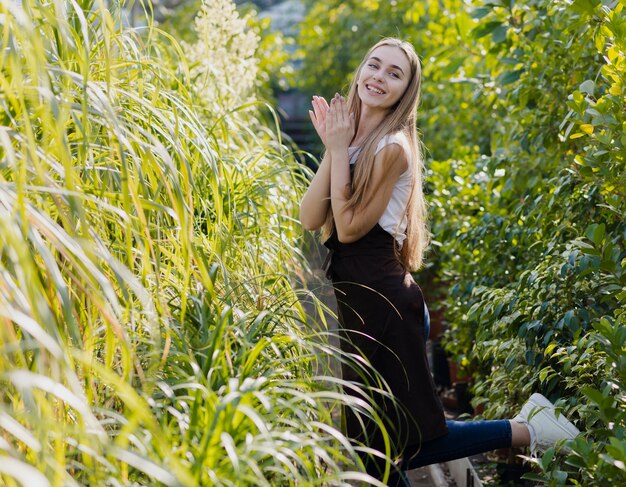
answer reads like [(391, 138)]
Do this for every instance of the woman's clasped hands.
[(333, 123)]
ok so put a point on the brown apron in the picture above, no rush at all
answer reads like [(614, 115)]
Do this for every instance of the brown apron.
[(381, 316)]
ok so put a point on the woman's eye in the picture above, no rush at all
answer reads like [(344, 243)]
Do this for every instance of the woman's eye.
[(395, 75), (373, 66)]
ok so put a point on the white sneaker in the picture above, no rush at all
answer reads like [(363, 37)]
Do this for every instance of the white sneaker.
[(548, 429)]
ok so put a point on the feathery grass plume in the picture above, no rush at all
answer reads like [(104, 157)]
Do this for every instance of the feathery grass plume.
[(223, 62), (150, 333)]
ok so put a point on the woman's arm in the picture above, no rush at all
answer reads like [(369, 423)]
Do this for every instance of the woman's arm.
[(316, 201), (351, 225), (389, 164)]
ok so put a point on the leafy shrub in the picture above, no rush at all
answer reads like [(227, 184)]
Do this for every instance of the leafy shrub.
[(538, 261)]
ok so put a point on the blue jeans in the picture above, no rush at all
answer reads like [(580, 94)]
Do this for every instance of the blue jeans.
[(464, 438), (426, 322)]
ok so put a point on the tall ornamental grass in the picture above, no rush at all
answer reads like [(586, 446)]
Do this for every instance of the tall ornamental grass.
[(150, 333)]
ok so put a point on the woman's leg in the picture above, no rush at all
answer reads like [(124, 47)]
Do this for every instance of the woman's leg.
[(464, 438)]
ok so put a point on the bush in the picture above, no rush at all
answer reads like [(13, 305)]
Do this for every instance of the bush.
[(534, 240)]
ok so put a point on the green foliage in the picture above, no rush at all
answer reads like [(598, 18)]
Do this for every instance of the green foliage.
[(276, 73), (150, 331), (532, 234)]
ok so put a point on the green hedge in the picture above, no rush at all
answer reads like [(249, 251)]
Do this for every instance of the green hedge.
[(534, 242)]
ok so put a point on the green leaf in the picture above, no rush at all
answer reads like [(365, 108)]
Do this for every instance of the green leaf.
[(588, 87), (560, 476), (480, 12), (510, 76), (594, 395), (499, 34), (617, 449), (603, 326), (576, 461), (534, 477), (547, 458), (595, 232), (485, 29), (587, 7)]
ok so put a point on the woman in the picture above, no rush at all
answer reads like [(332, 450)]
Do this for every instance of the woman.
[(367, 199)]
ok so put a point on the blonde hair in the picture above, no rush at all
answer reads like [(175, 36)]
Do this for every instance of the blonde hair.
[(400, 118)]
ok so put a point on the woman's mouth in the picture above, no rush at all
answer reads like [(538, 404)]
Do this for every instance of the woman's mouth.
[(374, 90)]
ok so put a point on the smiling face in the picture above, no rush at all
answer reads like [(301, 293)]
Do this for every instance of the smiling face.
[(384, 77)]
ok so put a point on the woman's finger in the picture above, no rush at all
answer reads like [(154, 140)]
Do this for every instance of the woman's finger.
[(333, 115), (344, 111), (320, 110)]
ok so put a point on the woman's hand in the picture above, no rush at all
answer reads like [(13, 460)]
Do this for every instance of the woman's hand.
[(318, 116), (339, 125)]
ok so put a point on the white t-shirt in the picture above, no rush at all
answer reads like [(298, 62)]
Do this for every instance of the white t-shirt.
[(394, 219)]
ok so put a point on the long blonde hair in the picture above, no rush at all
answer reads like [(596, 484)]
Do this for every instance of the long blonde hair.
[(400, 118)]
